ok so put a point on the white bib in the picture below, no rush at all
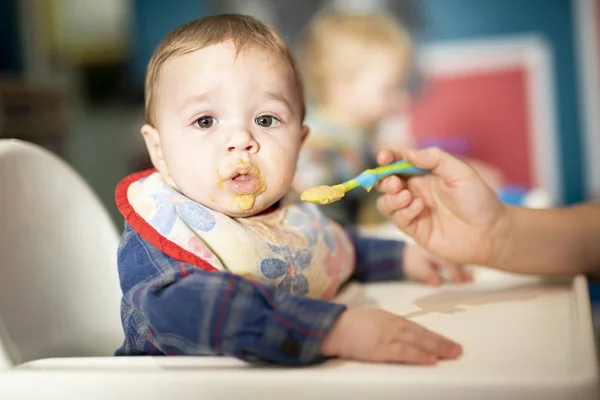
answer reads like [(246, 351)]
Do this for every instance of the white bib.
[(293, 247)]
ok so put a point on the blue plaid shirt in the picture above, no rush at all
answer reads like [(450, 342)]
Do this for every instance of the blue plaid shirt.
[(173, 308)]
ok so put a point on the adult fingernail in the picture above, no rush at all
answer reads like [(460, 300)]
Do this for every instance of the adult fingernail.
[(456, 350)]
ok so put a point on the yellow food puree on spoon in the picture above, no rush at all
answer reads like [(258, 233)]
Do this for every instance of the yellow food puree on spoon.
[(330, 194)]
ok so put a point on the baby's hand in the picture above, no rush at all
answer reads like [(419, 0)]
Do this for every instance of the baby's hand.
[(421, 266), (380, 336)]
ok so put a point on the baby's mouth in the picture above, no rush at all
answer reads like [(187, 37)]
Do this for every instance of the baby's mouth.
[(244, 181)]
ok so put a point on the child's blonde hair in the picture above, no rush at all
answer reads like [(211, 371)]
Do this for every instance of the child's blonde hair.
[(334, 43), (244, 31)]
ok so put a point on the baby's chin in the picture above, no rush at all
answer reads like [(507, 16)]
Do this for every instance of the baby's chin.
[(241, 214), (244, 213), (239, 209), (249, 205)]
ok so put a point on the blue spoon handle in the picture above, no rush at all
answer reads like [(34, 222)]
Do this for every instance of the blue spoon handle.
[(368, 178)]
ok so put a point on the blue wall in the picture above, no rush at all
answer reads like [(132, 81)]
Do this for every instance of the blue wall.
[(467, 19), (153, 20)]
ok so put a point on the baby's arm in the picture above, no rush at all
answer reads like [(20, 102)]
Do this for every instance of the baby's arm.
[(194, 312), (386, 260), (377, 259)]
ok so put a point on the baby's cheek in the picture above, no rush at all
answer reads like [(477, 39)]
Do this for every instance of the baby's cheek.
[(194, 189), (288, 176)]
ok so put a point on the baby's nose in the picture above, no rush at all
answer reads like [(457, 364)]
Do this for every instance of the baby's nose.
[(243, 141)]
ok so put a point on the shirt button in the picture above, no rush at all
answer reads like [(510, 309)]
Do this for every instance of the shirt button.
[(290, 347)]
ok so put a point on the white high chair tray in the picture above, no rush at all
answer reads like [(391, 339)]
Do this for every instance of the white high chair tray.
[(523, 338)]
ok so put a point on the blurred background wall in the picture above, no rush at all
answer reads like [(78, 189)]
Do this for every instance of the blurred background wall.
[(514, 81)]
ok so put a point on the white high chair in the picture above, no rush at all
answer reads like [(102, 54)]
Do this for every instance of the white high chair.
[(59, 290), (524, 337)]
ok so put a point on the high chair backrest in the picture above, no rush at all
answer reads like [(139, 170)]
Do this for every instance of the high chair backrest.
[(59, 289)]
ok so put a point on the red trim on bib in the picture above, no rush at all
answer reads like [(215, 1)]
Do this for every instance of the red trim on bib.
[(146, 231)]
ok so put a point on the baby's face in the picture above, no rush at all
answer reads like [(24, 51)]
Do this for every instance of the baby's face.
[(228, 128)]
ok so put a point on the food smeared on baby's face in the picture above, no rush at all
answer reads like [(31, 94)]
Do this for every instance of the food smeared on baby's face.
[(245, 182)]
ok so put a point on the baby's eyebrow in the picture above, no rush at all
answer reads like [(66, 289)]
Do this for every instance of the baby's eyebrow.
[(280, 98), (195, 99)]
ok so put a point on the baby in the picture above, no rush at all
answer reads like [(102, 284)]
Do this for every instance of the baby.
[(355, 66), (215, 259)]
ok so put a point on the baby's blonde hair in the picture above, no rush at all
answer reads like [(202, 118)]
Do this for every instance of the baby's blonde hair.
[(334, 43), (244, 31)]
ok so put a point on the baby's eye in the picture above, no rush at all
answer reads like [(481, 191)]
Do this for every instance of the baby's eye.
[(267, 121), (205, 122)]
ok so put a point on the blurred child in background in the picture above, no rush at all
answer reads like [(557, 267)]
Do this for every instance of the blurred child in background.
[(355, 66)]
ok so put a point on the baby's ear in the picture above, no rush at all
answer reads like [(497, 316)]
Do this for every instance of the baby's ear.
[(305, 132), (152, 139)]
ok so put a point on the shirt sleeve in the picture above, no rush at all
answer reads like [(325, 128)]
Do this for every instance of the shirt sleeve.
[(378, 260), (190, 311)]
